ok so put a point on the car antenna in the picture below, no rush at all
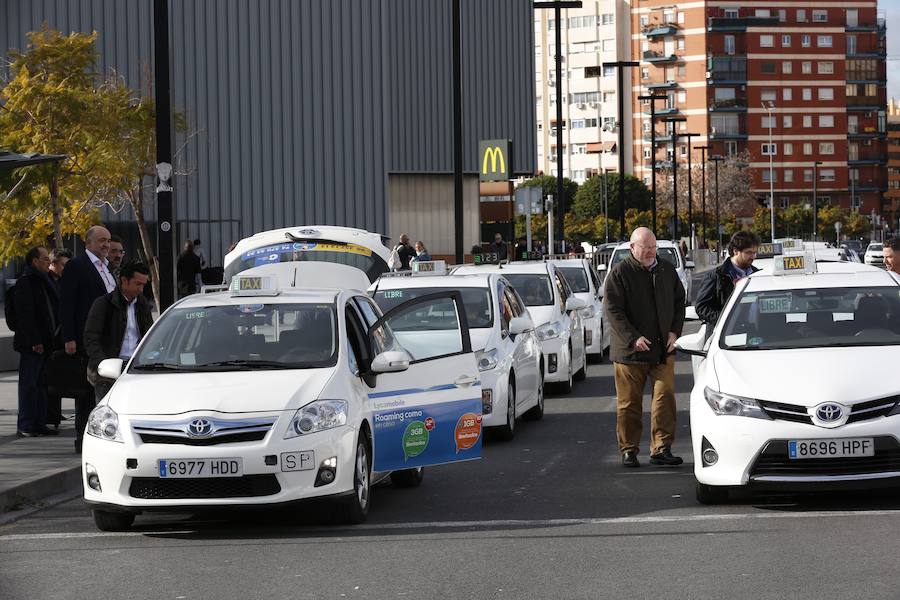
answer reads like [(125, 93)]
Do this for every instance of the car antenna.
[(294, 282)]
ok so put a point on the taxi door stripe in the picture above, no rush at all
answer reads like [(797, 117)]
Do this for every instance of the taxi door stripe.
[(409, 391)]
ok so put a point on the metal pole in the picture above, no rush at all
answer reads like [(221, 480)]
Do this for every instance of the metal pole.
[(815, 202), (652, 100), (457, 137), (771, 173), (690, 196), (675, 181), (560, 190), (620, 101), (703, 195), (717, 160), (165, 210)]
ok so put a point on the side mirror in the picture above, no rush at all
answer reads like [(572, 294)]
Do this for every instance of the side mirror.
[(392, 361), (689, 264), (110, 368), (521, 324), (692, 343), (574, 303), (690, 313)]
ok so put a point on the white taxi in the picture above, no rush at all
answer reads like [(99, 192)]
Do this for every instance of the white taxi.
[(554, 309), (265, 396), (793, 389), (506, 348), (665, 250), (585, 283), (874, 254)]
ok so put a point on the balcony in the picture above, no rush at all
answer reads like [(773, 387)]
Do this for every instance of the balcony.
[(726, 133), (727, 77), (658, 29), (654, 57), (867, 135), (664, 112), (860, 162), (668, 85), (660, 139), (740, 24), (732, 105), (863, 104)]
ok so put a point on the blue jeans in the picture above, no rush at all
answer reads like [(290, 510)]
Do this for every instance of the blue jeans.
[(32, 392)]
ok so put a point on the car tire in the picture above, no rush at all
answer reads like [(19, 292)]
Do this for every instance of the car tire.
[(566, 386), (508, 431), (357, 504), (581, 374), (408, 478), (536, 412), (711, 494), (113, 521)]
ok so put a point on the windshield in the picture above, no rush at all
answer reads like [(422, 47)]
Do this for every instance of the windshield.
[(534, 288), (666, 254), (576, 278), (340, 253), (875, 247), (477, 302), (226, 338), (813, 318)]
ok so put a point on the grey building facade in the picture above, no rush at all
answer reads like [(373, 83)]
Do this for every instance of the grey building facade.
[(317, 111)]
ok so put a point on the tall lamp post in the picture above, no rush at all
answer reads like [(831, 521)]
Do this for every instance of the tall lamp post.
[(652, 99), (620, 65), (673, 121), (769, 109), (702, 150), (815, 201), (717, 159), (690, 189), (164, 207)]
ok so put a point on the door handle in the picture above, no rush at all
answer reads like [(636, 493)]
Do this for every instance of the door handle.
[(465, 380)]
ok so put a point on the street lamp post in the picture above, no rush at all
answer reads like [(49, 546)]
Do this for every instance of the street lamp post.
[(769, 110), (717, 159), (702, 150), (673, 121), (815, 200), (653, 100), (164, 207), (690, 189), (620, 65)]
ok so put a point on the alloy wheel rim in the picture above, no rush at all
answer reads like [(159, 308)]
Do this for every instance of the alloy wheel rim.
[(362, 475)]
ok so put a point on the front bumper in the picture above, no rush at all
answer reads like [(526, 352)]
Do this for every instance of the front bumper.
[(592, 330), (753, 452), (494, 381), (557, 347), (129, 475)]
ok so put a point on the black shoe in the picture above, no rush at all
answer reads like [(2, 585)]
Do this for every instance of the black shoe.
[(47, 431), (665, 457), (22, 434), (629, 459)]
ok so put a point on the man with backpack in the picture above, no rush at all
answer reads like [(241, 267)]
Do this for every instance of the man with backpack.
[(32, 308)]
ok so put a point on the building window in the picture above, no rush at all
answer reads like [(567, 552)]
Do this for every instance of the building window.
[(787, 67), (768, 122), (645, 73), (731, 148), (767, 67), (768, 176), (785, 41), (806, 67), (807, 121), (805, 41), (853, 152), (646, 153), (787, 121), (826, 68), (787, 93), (645, 20), (729, 44), (824, 41), (578, 148), (871, 89), (609, 71), (826, 147), (852, 124), (681, 70), (682, 150), (851, 44), (609, 123), (820, 16), (826, 174), (609, 96), (646, 126), (826, 94), (682, 97), (807, 94), (609, 45), (788, 148), (763, 13), (608, 19), (785, 200), (679, 43), (801, 15), (768, 95), (807, 149), (770, 149), (782, 15), (731, 12), (766, 41), (852, 17), (807, 175)]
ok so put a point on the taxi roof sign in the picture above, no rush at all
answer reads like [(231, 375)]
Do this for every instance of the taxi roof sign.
[(769, 250), (429, 267), (790, 264), (254, 285)]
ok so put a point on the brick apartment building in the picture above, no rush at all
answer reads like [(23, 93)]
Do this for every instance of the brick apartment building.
[(801, 85), (892, 195)]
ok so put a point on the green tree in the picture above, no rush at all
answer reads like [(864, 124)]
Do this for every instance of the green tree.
[(826, 218), (589, 199), (856, 225), (547, 183)]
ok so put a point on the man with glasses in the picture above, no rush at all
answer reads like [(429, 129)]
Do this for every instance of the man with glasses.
[(717, 285)]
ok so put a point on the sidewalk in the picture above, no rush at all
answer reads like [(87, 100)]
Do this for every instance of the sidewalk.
[(32, 469)]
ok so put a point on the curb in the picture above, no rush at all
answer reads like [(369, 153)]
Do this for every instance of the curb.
[(32, 492)]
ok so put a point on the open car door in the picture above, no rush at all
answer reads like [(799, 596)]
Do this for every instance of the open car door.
[(426, 402)]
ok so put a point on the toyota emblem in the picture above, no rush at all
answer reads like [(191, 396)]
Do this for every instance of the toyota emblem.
[(199, 428), (830, 412)]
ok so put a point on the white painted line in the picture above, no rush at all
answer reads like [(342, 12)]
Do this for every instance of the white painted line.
[(491, 524)]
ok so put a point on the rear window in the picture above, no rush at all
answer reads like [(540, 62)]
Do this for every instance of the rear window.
[(576, 278), (533, 288), (669, 255), (340, 253)]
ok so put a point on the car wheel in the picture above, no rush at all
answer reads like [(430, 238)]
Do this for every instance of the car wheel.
[(711, 494), (408, 478), (357, 507), (536, 412), (566, 386), (508, 431), (113, 521), (581, 374)]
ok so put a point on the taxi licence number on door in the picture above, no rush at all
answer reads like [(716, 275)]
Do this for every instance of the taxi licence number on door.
[(200, 467), (841, 448)]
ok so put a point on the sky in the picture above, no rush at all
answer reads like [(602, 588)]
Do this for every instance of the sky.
[(892, 8)]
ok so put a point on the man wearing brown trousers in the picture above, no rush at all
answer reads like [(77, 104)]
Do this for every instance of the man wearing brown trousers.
[(644, 302)]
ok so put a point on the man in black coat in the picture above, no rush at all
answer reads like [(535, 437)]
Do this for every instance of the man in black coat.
[(187, 268), (37, 331), (717, 285), (117, 322), (85, 278), (406, 252)]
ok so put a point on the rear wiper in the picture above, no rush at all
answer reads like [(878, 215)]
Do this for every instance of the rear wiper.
[(248, 364), (159, 367)]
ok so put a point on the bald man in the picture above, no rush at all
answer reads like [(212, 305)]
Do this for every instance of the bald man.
[(85, 278), (644, 303)]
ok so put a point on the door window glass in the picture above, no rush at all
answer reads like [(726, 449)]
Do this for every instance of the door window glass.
[(425, 330)]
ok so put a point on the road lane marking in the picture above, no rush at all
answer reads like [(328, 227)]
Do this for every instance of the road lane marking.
[(487, 524)]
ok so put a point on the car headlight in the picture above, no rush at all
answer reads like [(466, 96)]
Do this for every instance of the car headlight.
[(588, 312), (103, 423), (317, 416), (548, 331), (738, 406), (487, 359)]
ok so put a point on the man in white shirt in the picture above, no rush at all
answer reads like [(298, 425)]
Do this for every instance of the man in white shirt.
[(892, 257)]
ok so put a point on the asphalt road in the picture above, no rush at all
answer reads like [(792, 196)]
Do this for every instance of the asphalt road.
[(550, 514)]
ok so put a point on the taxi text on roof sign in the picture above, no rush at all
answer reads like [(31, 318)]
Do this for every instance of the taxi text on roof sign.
[(430, 267), (787, 264), (254, 285), (768, 250)]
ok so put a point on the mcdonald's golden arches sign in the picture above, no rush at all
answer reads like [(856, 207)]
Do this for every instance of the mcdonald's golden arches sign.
[(494, 160)]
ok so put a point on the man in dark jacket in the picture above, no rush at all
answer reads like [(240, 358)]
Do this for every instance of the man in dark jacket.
[(717, 285), (117, 322), (37, 333), (85, 278), (644, 302), (406, 252), (499, 246), (187, 267), (58, 259)]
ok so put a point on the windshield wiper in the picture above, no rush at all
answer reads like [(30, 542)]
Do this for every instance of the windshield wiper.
[(159, 367), (248, 364)]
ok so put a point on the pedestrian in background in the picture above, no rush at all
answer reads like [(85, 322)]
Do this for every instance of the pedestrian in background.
[(499, 246), (116, 254), (187, 268), (892, 257), (116, 323), (36, 334), (422, 252), (198, 250), (405, 253), (718, 284), (58, 259), (644, 301), (85, 278)]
